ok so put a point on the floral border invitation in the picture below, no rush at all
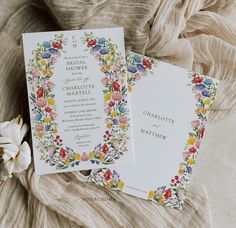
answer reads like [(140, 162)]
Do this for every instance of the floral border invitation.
[(79, 105), (169, 109)]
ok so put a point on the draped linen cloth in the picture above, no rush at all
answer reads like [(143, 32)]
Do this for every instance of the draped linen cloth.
[(194, 34)]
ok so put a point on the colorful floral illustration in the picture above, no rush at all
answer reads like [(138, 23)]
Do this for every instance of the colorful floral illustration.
[(39, 73), (113, 67), (204, 90), (107, 178), (138, 66)]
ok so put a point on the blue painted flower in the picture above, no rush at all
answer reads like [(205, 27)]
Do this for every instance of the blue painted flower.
[(96, 47), (208, 81), (206, 93), (189, 169), (200, 87), (104, 51), (101, 40), (122, 109), (46, 55), (38, 116), (47, 127), (77, 162), (137, 58), (132, 69), (53, 51), (140, 68), (115, 121), (46, 44)]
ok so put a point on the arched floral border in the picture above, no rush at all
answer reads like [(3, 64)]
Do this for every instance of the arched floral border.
[(43, 103), (204, 90)]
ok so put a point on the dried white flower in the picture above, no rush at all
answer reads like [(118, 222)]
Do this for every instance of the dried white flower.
[(15, 156)]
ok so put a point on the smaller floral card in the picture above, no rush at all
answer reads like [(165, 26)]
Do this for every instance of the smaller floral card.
[(78, 100), (169, 110)]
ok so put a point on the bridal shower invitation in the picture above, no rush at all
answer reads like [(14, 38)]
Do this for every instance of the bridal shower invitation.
[(169, 109), (78, 100)]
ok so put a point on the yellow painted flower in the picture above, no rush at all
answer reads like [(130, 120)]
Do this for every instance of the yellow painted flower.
[(109, 125), (108, 67), (191, 140), (45, 72), (107, 96), (101, 156), (181, 171), (121, 185), (151, 195), (91, 155), (103, 68), (47, 120), (161, 200), (77, 156), (51, 101), (54, 130), (40, 134), (191, 161), (129, 88), (203, 111), (108, 57), (50, 73), (127, 75), (207, 101), (67, 159), (197, 110), (114, 114), (43, 62)]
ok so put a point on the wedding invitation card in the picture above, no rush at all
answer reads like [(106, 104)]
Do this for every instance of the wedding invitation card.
[(169, 109), (79, 106)]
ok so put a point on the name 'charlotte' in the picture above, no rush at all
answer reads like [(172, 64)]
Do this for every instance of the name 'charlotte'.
[(78, 89)]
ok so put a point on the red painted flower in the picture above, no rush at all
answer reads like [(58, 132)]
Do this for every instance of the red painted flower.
[(91, 43), (105, 149), (111, 104), (167, 194), (201, 132), (107, 175), (197, 80), (62, 152), (147, 63), (116, 86), (192, 150), (48, 109), (40, 92), (56, 45)]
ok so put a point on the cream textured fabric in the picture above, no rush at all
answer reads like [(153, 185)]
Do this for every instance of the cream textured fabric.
[(194, 34)]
